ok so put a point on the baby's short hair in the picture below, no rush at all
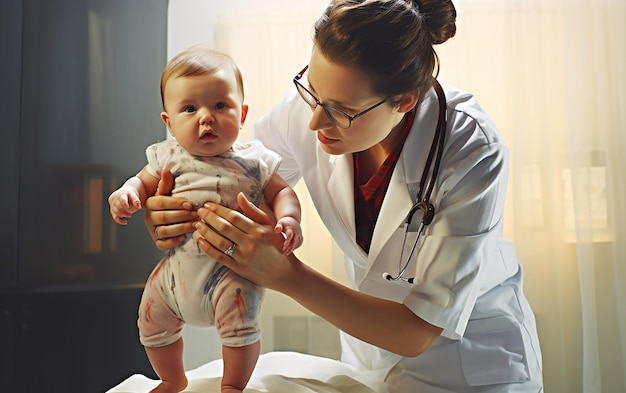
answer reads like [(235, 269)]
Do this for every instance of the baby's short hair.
[(199, 60)]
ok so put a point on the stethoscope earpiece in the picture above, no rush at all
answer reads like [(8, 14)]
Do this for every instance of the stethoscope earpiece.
[(389, 277)]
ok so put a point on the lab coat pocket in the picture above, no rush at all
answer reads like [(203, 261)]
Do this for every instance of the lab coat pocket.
[(493, 352)]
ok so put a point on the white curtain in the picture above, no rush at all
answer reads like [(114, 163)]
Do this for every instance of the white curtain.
[(551, 74)]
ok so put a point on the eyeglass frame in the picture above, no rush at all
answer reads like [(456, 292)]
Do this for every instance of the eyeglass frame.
[(328, 110)]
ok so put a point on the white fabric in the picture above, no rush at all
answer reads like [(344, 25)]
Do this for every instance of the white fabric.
[(276, 372), (551, 73)]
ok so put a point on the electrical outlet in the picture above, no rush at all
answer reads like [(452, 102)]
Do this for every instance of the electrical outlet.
[(291, 333), (323, 338), (306, 334)]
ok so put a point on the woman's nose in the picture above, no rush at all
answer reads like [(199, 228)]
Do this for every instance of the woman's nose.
[(320, 120)]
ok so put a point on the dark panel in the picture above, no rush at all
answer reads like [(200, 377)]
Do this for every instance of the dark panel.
[(79, 102), (10, 71), (90, 106), (8, 338), (70, 343)]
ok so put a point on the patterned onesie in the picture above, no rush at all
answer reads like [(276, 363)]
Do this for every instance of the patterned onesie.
[(188, 286)]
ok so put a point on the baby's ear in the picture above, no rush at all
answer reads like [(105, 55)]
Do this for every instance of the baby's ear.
[(244, 113), (166, 120)]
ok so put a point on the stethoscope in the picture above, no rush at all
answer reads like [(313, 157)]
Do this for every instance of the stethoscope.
[(422, 202)]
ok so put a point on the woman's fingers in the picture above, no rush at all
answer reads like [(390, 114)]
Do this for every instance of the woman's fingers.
[(164, 210), (216, 251), (256, 214), (166, 184), (226, 225), (167, 218), (172, 235), (215, 236), (171, 226), (255, 256)]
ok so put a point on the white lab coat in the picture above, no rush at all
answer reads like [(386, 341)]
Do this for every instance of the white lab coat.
[(467, 278)]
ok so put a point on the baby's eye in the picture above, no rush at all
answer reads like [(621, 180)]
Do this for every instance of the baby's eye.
[(220, 105), (189, 109)]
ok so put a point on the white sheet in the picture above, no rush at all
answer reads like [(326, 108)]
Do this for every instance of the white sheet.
[(276, 372)]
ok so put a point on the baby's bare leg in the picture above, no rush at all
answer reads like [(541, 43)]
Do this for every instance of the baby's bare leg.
[(239, 363), (167, 362)]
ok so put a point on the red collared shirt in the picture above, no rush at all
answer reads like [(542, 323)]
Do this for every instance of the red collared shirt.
[(369, 196)]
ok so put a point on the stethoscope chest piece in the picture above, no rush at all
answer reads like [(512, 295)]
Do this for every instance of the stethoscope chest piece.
[(420, 215)]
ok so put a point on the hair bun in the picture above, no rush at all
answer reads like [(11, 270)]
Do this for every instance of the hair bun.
[(440, 17)]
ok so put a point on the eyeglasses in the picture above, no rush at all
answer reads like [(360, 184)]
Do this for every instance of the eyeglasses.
[(338, 117)]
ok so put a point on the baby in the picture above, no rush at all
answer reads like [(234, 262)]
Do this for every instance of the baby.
[(202, 95)]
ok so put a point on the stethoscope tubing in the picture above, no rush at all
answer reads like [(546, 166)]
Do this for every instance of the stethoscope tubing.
[(423, 200), (402, 269)]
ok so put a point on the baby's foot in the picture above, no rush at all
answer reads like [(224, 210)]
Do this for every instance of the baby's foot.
[(231, 389), (170, 387)]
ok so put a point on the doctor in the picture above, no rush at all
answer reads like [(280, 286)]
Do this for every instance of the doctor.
[(371, 133)]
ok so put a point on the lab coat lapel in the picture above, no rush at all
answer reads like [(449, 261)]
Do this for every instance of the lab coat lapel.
[(393, 212), (404, 183), (341, 186)]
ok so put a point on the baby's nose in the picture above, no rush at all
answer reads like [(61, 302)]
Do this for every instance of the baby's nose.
[(206, 117)]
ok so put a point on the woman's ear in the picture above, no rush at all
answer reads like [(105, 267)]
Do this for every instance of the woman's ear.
[(408, 102)]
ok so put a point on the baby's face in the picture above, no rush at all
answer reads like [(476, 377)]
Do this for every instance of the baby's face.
[(203, 113)]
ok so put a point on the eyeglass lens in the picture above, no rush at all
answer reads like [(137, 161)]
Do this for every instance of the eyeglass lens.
[(339, 118)]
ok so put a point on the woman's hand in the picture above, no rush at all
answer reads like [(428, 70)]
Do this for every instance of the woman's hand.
[(167, 218), (257, 255)]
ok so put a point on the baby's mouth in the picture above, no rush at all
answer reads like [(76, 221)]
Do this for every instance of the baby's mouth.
[(208, 135)]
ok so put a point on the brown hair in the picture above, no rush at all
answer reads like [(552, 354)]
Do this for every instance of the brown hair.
[(198, 60), (389, 40)]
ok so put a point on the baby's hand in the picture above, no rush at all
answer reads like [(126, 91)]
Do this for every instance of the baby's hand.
[(124, 202), (293, 233)]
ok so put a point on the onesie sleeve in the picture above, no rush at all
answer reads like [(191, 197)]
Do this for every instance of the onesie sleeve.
[(153, 166), (162, 155), (269, 162), (264, 161)]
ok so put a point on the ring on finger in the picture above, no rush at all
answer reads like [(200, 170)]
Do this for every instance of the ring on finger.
[(229, 251), (156, 233)]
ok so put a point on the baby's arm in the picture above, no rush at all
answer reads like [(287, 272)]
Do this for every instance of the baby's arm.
[(286, 207), (132, 195)]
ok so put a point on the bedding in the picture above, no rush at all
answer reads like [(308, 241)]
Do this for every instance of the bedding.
[(276, 372)]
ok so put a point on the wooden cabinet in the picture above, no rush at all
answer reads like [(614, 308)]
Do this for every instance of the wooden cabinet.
[(80, 101)]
